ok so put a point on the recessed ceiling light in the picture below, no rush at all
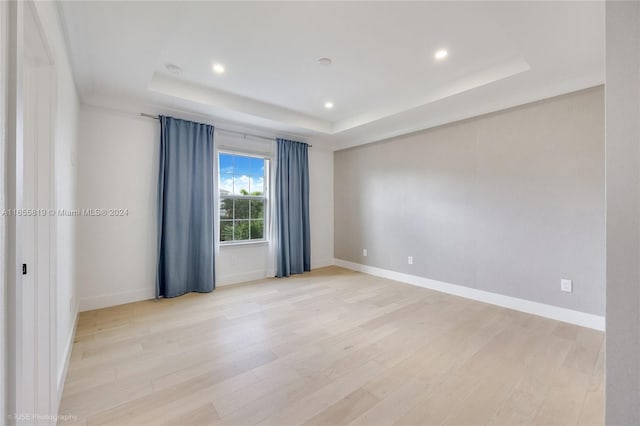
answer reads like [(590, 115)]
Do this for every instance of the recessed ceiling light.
[(328, 105), (218, 68), (325, 61), (173, 69), (441, 54)]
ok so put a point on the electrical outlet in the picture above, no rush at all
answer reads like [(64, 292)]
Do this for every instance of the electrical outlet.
[(410, 260), (566, 285), (364, 252)]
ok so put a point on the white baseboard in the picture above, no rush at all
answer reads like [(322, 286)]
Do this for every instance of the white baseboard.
[(321, 263), (548, 311), (243, 277), (108, 300), (62, 372)]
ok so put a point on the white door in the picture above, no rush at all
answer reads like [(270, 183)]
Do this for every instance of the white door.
[(36, 382), (4, 71)]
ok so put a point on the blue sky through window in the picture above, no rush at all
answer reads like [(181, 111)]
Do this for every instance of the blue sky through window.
[(242, 166), (226, 163), (241, 174)]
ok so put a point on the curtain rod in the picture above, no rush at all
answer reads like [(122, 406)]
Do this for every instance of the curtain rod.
[(235, 132)]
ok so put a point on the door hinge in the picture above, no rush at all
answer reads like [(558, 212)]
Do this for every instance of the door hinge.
[(24, 269)]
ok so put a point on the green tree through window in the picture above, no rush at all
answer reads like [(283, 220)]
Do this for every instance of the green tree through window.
[(242, 197)]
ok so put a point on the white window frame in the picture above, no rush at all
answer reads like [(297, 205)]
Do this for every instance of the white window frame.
[(266, 191)]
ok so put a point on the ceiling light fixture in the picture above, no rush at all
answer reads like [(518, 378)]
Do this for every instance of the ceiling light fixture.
[(218, 68), (325, 61), (441, 54), (328, 105), (173, 69)]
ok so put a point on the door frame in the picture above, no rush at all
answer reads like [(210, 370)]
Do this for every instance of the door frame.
[(40, 396), (13, 196), (4, 47)]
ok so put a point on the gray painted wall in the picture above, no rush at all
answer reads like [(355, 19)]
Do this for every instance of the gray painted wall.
[(623, 213), (509, 202)]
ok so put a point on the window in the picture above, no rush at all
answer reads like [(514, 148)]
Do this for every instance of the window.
[(242, 197)]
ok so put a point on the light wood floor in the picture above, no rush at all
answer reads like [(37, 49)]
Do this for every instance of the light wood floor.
[(332, 347)]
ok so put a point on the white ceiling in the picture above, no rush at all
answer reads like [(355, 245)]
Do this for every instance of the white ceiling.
[(384, 80)]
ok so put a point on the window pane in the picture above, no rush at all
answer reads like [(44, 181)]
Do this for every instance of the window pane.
[(242, 209), (226, 230), (226, 208), (241, 185), (226, 163), (257, 209), (242, 229), (257, 229), (257, 167), (242, 165), (241, 175), (257, 185), (226, 184)]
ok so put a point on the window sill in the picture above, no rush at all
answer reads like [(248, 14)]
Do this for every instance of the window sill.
[(244, 243)]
